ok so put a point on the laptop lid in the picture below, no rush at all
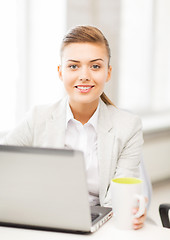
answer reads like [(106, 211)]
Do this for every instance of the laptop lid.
[(44, 188)]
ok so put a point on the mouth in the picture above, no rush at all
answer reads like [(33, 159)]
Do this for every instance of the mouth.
[(84, 88)]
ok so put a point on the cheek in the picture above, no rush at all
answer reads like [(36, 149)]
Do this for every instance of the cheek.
[(69, 75), (66, 77), (101, 78), (68, 81)]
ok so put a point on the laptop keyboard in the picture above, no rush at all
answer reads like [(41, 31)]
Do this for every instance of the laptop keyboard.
[(94, 216)]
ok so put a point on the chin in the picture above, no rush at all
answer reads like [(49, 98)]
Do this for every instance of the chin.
[(86, 100)]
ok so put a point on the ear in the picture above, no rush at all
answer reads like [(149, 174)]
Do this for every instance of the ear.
[(109, 73), (60, 72)]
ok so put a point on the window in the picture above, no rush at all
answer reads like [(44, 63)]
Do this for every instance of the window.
[(29, 45), (144, 73), (8, 63)]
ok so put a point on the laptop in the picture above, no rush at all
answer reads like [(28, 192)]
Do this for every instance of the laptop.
[(46, 189)]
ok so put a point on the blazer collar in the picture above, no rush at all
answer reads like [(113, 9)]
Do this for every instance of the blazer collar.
[(55, 125), (106, 140), (104, 122)]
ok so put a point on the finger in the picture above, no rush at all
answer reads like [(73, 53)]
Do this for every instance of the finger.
[(136, 227), (135, 210), (139, 220)]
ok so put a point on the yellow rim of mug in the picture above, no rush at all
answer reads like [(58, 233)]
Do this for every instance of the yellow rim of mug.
[(127, 180)]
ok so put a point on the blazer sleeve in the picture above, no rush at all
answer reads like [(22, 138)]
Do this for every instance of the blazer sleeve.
[(130, 149), (43, 126), (22, 134), (130, 155)]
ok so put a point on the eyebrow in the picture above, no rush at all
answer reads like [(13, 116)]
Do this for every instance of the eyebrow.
[(97, 59), (71, 60), (94, 60)]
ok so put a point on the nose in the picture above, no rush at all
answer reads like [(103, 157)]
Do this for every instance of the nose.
[(84, 74)]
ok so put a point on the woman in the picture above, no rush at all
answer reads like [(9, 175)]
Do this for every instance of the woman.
[(86, 119)]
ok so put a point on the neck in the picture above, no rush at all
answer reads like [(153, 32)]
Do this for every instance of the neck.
[(83, 112)]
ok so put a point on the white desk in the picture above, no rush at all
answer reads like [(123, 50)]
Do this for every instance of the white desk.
[(106, 232)]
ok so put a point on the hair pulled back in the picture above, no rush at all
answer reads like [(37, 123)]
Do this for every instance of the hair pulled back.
[(87, 34)]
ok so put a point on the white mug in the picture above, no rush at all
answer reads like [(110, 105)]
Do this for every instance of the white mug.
[(126, 195)]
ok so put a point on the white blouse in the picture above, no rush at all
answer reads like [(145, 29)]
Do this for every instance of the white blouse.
[(84, 138)]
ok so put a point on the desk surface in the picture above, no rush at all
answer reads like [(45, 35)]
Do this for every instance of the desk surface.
[(107, 232)]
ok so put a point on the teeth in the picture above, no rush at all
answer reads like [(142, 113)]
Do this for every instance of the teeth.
[(83, 88)]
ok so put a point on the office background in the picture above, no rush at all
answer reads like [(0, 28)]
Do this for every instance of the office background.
[(139, 36)]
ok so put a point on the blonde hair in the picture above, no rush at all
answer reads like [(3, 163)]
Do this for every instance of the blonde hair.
[(88, 34)]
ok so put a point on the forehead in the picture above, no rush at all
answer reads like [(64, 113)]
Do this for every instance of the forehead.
[(80, 51)]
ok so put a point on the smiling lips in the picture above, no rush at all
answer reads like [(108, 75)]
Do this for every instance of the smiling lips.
[(84, 88)]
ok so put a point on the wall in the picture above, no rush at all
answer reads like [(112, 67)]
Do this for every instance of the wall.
[(157, 155)]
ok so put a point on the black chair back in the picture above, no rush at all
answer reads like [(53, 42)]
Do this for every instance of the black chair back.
[(163, 211)]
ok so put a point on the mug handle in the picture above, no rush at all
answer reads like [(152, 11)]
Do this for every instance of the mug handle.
[(142, 205)]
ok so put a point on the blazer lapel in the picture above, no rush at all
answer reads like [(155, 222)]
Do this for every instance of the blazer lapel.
[(55, 126), (105, 148)]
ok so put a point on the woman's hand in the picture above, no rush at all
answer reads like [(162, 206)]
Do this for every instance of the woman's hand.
[(139, 222)]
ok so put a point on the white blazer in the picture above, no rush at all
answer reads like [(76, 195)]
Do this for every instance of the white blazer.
[(120, 139)]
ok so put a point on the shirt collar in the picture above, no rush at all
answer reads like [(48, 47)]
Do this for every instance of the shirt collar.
[(69, 114), (93, 120)]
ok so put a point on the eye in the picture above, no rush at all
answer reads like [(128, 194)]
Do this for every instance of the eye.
[(73, 66), (95, 66)]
